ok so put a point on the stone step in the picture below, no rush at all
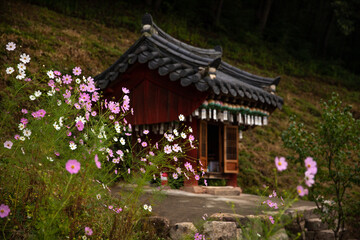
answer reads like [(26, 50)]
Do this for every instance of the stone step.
[(315, 224)]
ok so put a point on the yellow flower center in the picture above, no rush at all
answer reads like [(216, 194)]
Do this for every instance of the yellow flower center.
[(72, 166), (279, 163)]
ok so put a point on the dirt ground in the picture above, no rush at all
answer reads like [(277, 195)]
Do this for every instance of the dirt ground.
[(181, 206)]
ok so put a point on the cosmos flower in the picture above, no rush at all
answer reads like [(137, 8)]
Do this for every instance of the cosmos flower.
[(72, 166)]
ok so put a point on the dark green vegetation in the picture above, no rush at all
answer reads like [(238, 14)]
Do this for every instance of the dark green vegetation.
[(64, 34), (335, 144)]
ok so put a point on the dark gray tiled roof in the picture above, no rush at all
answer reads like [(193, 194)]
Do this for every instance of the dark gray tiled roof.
[(191, 65)]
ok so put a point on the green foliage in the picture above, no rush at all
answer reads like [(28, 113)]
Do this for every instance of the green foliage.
[(335, 144), (57, 166)]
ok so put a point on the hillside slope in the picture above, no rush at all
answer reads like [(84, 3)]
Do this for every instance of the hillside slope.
[(60, 41)]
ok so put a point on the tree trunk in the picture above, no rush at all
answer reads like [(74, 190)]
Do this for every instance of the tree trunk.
[(218, 12), (327, 34), (263, 13)]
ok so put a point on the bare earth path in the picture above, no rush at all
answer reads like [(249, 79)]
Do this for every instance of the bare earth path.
[(181, 206)]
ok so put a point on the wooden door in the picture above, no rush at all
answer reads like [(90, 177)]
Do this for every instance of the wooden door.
[(231, 150)]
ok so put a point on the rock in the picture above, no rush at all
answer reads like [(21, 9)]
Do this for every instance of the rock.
[(161, 225), (239, 235), (223, 191), (230, 217), (315, 224), (193, 189), (216, 230), (309, 235), (325, 235), (280, 235), (180, 230)]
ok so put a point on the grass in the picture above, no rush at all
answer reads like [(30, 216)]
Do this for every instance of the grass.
[(58, 40)]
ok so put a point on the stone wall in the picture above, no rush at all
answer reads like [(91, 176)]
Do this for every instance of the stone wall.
[(227, 226)]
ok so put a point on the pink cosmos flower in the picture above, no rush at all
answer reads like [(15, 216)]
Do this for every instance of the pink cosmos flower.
[(17, 136), (95, 97), (4, 210), (67, 94), (175, 159), (88, 231), (191, 138), (24, 111), (57, 73), (77, 71), (91, 88), (56, 153), (27, 79), (175, 176), (24, 121), (197, 177), (51, 83), (144, 144), (146, 132), (271, 219), (8, 144), (80, 126), (309, 179), (72, 166), (301, 191), (93, 113), (205, 182), (310, 165), (66, 79), (280, 163), (125, 90), (167, 149), (114, 107)]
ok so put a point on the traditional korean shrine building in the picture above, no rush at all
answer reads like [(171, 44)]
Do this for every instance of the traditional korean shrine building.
[(167, 77)]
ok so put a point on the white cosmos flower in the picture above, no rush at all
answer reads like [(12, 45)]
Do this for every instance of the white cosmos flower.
[(61, 119), (115, 139), (56, 126), (58, 102), (9, 70), (10, 46), (22, 138), (21, 75), (21, 126), (98, 197), (181, 117), (37, 93), (27, 132), (80, 118), (183, 135), (32, 97), (150, 208), (78, 81), (145, 206), (25, 58), (50, 159), (21, 67), (72, 146), (176, 133), (122, 141), (51, 74)]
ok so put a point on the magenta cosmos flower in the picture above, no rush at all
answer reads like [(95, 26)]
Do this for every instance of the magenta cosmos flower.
[(72, 166), (4, 210), (88, 231), (280, 163), (98, 164), (80, 125)]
